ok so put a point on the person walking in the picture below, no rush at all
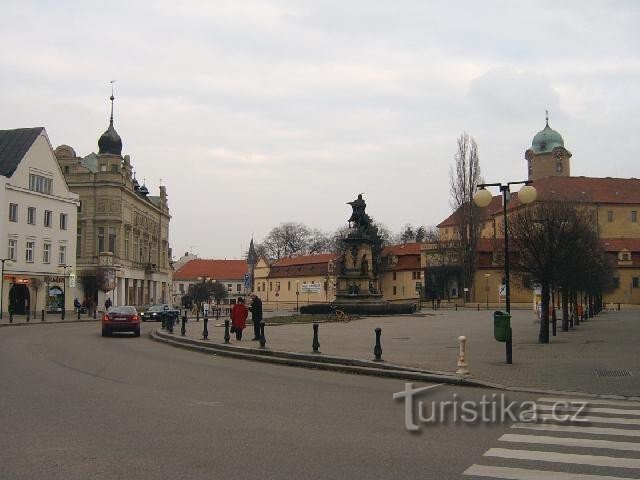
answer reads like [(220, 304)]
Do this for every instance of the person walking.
[(256, 315), (239, 314), (107, 304)]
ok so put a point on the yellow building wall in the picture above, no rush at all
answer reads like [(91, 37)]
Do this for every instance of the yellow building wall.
[(404, 283)]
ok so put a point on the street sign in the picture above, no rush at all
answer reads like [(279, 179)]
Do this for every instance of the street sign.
[(503, 290), (310, 288), (72, 280), (247, 280)]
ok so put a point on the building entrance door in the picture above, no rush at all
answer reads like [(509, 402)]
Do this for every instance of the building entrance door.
[(19, 299)]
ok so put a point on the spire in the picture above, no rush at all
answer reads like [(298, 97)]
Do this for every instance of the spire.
[(547, 117), (110, 142), (252, 256), (112, 98)]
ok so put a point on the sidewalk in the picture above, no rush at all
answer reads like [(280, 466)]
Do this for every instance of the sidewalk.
[(69, 316), (599, 356)]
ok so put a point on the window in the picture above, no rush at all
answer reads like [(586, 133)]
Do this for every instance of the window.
[(28, 256), (62, 255), (289, 285), (66, 169), (101, 239), (114, 168), (271, 286), (13, 212), (126, 244), (13, 248), (610, 216), (394, 276), (103, 167), (634, 216), (46, 253), (636, 282), (63, 221), (40, 184), (112, 239), (230, 287), (48, 215), (395, 290), (559, 166), (79, 241), (238, 288), (31, 215), (181, 286), (616, 282), (79, 206)]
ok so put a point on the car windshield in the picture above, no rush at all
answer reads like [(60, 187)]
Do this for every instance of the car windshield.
[(156, 308), (124, 310)]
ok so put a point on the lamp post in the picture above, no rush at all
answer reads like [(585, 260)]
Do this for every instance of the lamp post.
[(297, 296), (64, 287), (2, 282), (486, 288), (482, 198)]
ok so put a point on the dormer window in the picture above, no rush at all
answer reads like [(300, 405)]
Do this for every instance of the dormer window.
[(559, 166)]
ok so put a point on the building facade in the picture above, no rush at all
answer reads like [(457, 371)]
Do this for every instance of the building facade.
[(123, 232), (613, 204), (37, 230), (231, 273)]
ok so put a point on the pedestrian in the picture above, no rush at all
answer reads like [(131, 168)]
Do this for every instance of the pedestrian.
[(205, 309), (107, 304), (256, 315), (76, 304), (239, 314)]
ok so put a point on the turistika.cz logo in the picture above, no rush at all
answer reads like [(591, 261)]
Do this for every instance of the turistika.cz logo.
[(490, 409)]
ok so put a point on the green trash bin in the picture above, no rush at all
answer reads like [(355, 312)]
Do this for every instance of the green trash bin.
[(501, 326)]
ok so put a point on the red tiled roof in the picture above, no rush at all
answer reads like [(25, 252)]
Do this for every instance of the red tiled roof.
[(402, 249), (305, 260), (619, 244), (213, 269), (577, 189)]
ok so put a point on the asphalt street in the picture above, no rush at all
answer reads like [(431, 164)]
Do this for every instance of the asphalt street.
[(75, 405)]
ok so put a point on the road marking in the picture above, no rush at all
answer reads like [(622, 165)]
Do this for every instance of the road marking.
[(525, 474), (587, 409), (570, 442), (593, 430), (596, 460), (207, 404), (620, 421), (591, 401)]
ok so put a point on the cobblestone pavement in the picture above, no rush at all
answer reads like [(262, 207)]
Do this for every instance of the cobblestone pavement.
[(607, 343)]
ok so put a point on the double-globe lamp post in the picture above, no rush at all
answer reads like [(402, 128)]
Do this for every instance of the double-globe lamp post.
[(482, 199), (64, 287)]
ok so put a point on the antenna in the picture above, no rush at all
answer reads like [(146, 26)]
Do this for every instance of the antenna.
[(111, 98)]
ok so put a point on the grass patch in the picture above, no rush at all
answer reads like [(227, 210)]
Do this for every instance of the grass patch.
[(301, 318)]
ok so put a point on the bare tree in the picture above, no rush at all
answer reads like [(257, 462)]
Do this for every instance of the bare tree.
[(286, 239), (464, 178)]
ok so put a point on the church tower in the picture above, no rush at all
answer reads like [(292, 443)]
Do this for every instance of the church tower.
[(547, 156)]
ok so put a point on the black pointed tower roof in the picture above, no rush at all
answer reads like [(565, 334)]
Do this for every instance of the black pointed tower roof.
[(110, 142)]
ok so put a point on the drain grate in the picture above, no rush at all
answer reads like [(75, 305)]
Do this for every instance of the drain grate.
[(602, 372)]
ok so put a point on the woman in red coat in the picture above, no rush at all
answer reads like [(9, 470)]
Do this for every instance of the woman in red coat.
[(239, 314)]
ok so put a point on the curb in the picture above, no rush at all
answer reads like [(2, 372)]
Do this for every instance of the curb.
[(355, 366)]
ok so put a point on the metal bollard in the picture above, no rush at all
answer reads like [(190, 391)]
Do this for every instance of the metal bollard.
[(198, 315), (462, 362), (170, 325), (28, 316), (263, 340), (377, 349), (10, 316), (95, 313), (227, 336), (315, 344), (42, 315), (205, 330), (78, 314), (456, 307), (183, 330), (478, 307)]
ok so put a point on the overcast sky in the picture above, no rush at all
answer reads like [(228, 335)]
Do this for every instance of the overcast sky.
[(256, 113)]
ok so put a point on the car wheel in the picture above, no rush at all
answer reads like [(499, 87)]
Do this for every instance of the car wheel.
[(105, 332), (136, 333)]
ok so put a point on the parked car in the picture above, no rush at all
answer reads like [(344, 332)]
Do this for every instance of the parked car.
[(156, 313), (121, 319)]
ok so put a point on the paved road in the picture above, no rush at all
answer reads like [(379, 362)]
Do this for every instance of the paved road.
[(75, 405)]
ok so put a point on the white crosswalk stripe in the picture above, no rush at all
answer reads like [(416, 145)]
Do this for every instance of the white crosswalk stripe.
[(612, 446)]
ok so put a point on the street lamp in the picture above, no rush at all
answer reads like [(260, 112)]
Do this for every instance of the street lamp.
[(486, 288), (8, 260), (482, 198), (64, 286), (297, 296)]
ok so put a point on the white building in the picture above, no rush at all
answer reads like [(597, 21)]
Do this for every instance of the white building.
[(37, 225)]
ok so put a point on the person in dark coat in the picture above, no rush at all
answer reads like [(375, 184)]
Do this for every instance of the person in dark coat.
[(107, 304), (239, 314), (256, 315)]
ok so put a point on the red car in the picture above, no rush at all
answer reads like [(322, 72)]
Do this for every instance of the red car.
[(121, 319)]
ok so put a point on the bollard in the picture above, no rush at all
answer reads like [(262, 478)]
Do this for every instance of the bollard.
[(10, 316), (618, 307), (462, 362), (183, 330), (169, 325), (163, 323), (315, 344), (42, 315), (456, 307), (263, 340), (78, 314), (28, 315), (95, 313), (198, 315), (205, 330), (227, 335), (478, 307), (377, 349)]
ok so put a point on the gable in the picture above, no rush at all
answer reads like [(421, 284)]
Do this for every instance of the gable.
[(14, 145)]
